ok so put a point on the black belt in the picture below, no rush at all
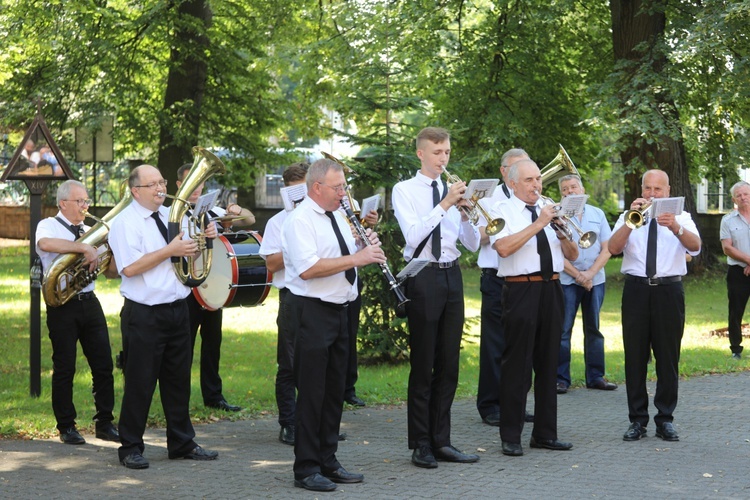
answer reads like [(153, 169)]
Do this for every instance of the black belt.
[(489, 270), (523, 278), (166, 304), (85, 295), (337, 307), (666, 280), (443, 265)]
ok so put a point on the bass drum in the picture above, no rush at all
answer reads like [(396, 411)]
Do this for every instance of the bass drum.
[(238, 276)]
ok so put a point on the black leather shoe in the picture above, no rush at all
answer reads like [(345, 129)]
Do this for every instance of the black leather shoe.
[(550, 444), (562, 388), (196, 453), (512, 449), (286, 434), (315, 482), (108, 432), (603, 385), (223, 405), (341, 475), (355, 400), (666, 432), (342, 436), (492, 419), (71, 436), (635, 432), (528, 417), (451, 454), (423, 457), (135, 461)]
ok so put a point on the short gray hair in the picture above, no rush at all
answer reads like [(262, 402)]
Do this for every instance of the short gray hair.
[(512, 153), (569, 177), (738, 185), (64, 190), (319, 169), (513, 172)]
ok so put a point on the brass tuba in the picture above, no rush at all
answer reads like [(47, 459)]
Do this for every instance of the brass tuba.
[(205, 165), (560, 166), (69, 273)]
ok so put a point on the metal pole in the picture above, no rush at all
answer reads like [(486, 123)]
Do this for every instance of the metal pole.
[(35, 320)]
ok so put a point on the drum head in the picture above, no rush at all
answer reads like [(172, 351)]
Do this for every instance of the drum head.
[(216, 291)]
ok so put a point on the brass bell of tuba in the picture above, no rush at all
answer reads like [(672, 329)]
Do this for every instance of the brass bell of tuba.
[(560, 166), (69, 273), (205, 165)]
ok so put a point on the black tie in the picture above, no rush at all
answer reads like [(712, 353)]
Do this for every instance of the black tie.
[(77, 230), (351, 274), (651, 250), (436, 233), (542, 248), (161, 226)]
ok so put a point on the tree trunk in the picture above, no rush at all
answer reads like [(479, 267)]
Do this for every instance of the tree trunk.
[(186, 84)]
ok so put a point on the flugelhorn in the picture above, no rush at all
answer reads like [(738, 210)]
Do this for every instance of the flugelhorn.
[(69, 273), (494, 226), (635, 218), (205, 165), (585, 239)]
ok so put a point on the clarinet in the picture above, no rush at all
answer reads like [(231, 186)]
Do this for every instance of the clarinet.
[(392, 281)]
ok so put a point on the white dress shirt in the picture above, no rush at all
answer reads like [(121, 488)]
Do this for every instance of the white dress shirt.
[(412, 205), (133, 234), (271, 244), (51, 228), (526, 260), (488, 256), (670, 253), (306, 237)]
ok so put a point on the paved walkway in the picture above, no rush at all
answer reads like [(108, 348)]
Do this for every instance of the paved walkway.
[(711, 461)]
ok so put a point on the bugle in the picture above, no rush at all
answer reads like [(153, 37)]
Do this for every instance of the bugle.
[(393, 283), (585, 239), (494, 226)]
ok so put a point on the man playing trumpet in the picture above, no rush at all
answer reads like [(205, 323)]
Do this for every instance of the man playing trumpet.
[(532, 259)]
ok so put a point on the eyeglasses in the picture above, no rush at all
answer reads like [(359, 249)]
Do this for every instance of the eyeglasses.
[(152, 185), (81, 202), (341, 188)]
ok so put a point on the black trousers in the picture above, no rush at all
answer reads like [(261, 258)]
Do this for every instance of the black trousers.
[(80, 321), (738, 292), (320, 357), (653, 317), (352, 374), (209, 324), (286, 393), (492, 343), (156, 344), (532, 322), (436, 320)]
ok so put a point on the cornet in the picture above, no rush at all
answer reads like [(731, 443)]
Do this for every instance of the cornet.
[(585, 239), (494, 226), (636, 218)]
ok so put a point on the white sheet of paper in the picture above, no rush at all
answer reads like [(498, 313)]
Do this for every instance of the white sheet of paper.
[(293, 195), (573, 204), (371, 203), (412, 268), (482, 187), (206, 202), (667, 206)]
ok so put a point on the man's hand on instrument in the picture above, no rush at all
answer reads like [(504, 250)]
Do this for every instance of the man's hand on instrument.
[(91, 255), (548, 213), (179, 247), (373, 237), (638, 203), (371, 219), (372, 254), (211, 231)]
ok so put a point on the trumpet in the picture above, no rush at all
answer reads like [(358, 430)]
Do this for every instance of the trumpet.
[(494, 226), (393, 283), (636, 218), (585, 239)]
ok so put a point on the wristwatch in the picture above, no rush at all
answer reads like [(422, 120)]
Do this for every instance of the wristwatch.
[(680, 231)]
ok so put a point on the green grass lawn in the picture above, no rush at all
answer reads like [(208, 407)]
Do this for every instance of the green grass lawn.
[(249, 351)]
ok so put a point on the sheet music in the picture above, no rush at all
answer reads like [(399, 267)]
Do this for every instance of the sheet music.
[(293, 195), (667, 206), (206, 202), (482, 187), (573, 204), (412, 268), (371, 203)]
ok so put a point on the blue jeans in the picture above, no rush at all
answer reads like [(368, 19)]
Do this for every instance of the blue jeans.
[(593, 340)]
